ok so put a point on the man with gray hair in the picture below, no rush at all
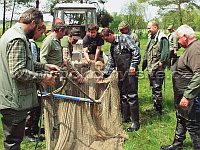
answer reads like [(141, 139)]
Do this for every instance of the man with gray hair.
[(186, 86)]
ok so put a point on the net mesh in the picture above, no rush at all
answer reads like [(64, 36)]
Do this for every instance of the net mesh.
[(79, 125)]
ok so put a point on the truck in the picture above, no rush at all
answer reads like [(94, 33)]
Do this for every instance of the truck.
[(78, 16)]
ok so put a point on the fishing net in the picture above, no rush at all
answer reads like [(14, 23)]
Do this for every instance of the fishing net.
[(82, 125)]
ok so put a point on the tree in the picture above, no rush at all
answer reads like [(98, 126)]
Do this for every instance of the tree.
[(167, 5), (135, 16), (104, 18)]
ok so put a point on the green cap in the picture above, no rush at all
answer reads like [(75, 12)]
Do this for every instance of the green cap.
[(122, 25)]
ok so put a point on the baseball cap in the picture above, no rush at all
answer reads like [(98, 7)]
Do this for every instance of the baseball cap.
[(75, 33), (122, 25), (170, 27)]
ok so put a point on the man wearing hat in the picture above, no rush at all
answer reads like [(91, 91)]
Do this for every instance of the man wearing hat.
[(68, 41), (125, 29), (173, 44), (67, 44)]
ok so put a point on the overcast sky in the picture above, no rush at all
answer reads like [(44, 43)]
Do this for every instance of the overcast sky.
[(110, 6), (116, 6)]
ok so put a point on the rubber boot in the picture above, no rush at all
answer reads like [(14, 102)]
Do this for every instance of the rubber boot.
[(158, 106), (14, 134), (179, 136), (134, 109), (194, 131), (126, 112)]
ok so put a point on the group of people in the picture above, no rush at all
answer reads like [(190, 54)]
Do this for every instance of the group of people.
[(23, 64), (160, 52)]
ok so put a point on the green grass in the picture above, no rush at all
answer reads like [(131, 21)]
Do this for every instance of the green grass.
[(155, 130)]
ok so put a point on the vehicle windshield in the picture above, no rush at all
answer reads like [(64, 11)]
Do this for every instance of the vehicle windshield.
[(78, 17)]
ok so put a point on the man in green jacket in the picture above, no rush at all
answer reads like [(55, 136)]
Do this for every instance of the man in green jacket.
[(52, 52), (18, 76), (155, 59)]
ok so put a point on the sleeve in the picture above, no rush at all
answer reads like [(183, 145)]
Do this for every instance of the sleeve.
[(100, 41), (135, 52), (164, 46), (175, 42), (34, 51), (38, 66), (146, 49), (44, 51), (17, 58), (193, 88), (64, 42), (110, 65), (70, 67), (85, 42)]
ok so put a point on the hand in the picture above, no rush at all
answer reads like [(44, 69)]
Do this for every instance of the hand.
[(132, 71), (160, 65), (80, 79), (50, 67), (144, 65), (66, 62), (90, 62), (100, 79), (48, 80), (184, 102)]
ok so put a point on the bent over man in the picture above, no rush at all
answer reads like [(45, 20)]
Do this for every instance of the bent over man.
[(18, 77), (92, 43), (125, 56)]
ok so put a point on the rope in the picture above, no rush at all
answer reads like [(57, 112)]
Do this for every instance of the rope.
[(64, 84), (83, 92)]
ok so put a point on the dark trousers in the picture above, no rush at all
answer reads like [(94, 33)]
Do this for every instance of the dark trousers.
[(128, 86), (193, 127), (13, 126), (156, 81), (32, 121)]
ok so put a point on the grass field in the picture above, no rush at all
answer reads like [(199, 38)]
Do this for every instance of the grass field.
[(155, 130)]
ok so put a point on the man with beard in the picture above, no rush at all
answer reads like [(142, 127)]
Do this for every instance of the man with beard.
[(18, 76), (155, 59), (186, 86)]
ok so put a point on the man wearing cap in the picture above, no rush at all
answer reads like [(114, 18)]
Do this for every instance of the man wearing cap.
[(124, 28), (173, 44), (67, 44), (51, 49), (155, 59), (92, 43)]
